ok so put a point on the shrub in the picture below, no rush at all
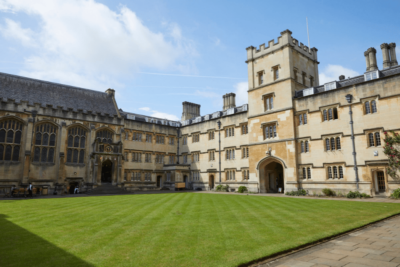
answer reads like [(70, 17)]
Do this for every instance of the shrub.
[(219, 188), (300, 192), (396, 194), (225, 188), (365, 195), (242, 189), (355, 194), (328, 192)]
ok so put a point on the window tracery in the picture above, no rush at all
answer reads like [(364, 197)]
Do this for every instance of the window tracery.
[(10, 139)]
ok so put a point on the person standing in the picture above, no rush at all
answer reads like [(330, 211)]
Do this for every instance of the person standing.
[(76, 191), (30, 190)]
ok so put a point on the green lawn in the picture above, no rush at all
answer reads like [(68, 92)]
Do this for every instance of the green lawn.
[(183, 229)]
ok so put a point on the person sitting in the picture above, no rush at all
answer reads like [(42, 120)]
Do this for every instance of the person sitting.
[(30, 187), (13, 191), (76, 191)]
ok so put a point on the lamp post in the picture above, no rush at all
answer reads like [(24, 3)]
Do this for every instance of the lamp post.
[(349, 98), (219, 141)]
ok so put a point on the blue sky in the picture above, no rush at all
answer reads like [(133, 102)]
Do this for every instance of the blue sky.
[(157, 54)]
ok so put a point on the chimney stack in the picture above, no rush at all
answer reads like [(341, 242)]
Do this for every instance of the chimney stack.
[(393, 59), (385, 55), (229, 101), (342, 77), (190, 110), (366, 54), (372, 59)]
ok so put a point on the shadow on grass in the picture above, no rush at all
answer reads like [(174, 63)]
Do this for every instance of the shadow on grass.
[(19, 247)]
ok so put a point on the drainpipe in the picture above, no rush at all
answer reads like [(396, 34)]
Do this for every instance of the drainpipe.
[(349, 98), (219, 141)]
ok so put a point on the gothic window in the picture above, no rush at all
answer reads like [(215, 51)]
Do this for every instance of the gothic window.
[(211, 155), (330, 115), (137, 137), (270, 131), (367, 108), (306, 146), (230, 132), (195, 138), (304, 173), (338, 145), (327, 147), (211, 135), (332, 143), (104, 136), (302, 147), (148, 138), (329, 172), (371, 139), (45, 142), (245, 175), (245, 129), (268, 103), (230, 154), (184, 140), (335, 173), (76, 145), (325, 116), (10, 140), (340, 172), (377, 139), (147, 157), (374, 139), (308, 172), (373, 106)]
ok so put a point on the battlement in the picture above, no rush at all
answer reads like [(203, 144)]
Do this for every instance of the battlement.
[(284, 40)]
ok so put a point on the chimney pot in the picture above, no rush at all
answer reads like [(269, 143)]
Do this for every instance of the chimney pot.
[(342, 77)]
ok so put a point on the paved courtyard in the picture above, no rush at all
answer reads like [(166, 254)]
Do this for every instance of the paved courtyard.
[(377, 245)]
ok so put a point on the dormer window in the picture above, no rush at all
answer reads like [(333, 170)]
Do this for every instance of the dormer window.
[(330, 86), (372, 75)]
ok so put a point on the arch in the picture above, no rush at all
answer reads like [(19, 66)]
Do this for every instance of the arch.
[(105, 128), (271, 176), (44, 121), (272, 158), (80, 125), (12, 117)]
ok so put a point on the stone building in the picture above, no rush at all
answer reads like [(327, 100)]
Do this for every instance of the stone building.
[(293, 133)]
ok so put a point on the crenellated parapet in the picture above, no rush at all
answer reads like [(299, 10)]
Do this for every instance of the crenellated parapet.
[(284, 40)]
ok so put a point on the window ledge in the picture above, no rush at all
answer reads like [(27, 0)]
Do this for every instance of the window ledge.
[(75, 164), (43, 163), (9, 162)]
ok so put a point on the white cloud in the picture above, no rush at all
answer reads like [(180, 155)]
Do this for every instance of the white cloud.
[(332, 73), (85, 41), (13, 30), (241, 93), (158, 114), (163, 115)]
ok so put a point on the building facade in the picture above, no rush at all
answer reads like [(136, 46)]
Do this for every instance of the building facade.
[(293, 133)]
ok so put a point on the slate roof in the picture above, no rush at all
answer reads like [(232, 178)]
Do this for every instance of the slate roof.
[(58, 95), (355, 80)]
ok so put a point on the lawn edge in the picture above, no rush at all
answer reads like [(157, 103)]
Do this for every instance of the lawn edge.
[(288, 252)]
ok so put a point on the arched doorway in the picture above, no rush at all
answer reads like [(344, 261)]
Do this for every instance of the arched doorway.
[(106, 172), (211, 182), (158, 181), (272, 175)]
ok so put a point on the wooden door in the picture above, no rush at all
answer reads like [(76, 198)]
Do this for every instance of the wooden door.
[(381, 181)]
